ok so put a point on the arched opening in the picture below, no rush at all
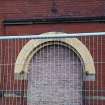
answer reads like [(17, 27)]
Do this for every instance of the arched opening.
[(27, 52), (26, 60), (55, 76)]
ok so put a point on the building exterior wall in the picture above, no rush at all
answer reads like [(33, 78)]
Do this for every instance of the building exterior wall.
[(10, 51), (42, 9), (18, 9)]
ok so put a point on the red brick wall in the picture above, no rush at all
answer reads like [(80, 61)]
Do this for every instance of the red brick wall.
[(10, 50), (38, 28), (41, 9)]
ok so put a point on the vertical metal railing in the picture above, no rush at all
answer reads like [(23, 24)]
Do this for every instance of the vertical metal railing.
[(14, 91)]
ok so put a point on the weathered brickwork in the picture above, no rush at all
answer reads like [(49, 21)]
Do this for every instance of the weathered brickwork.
[(40, 8), (20, 9)]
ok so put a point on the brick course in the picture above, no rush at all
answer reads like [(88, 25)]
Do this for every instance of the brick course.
[(41, 9), (18, 9)]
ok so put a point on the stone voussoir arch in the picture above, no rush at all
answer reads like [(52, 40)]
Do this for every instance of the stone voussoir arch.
[(27, 52)]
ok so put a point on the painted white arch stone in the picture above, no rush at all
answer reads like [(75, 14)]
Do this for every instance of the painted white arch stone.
[(27, 52)]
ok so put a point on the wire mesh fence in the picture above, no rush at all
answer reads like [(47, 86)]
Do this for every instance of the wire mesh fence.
[(56, 72)]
